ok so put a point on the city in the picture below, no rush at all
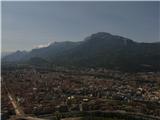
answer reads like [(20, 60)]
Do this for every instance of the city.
[(42, 92)]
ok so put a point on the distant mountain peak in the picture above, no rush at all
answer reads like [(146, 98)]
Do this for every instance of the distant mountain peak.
[(101, 35), (98, 50)]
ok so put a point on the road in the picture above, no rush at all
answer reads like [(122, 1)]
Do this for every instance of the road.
[(18, 110)]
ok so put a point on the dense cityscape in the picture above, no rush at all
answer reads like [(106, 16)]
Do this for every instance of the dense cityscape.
[(41, 92)]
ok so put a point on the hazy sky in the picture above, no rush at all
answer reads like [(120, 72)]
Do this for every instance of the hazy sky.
[(26, 25)]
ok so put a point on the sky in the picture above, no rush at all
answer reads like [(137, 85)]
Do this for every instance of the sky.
[(26, 25)]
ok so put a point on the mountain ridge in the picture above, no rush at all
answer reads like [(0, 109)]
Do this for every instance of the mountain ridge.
[(97, 50)]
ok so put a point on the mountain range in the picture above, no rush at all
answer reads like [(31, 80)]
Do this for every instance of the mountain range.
[(101, 49)]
